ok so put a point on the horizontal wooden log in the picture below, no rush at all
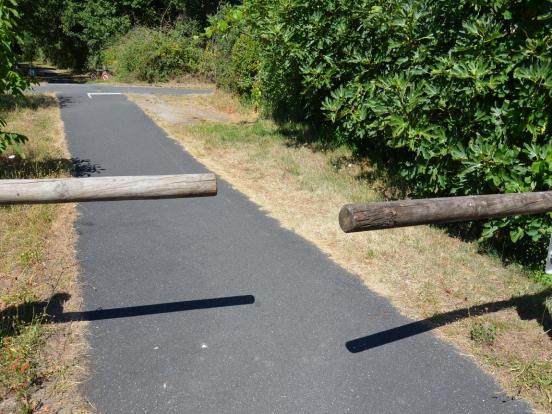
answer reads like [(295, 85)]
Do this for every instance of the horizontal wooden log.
[(385, 215), (66, 190)]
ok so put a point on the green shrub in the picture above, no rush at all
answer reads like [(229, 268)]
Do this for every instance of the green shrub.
[(218, 54), (484, 332), (244, 65), (453, 96), (153, 55), (11, 81), (233, 54)]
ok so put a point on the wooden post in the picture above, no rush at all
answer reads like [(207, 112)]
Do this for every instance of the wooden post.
[(67, 190), (385, 215)]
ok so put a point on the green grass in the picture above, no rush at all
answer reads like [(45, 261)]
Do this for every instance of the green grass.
[(483, 332), (19, 361), (21, 338), (532, 377), (265, 139)]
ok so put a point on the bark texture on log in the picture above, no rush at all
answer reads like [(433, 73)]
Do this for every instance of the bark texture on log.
[(385, 215), (66, 190)]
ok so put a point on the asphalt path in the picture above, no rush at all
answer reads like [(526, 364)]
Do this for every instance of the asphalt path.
[(209, 306)]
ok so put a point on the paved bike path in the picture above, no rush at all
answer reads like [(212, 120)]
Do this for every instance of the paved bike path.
[(209, 306)]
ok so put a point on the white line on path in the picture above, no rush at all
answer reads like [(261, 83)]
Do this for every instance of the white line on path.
[(102, 93)]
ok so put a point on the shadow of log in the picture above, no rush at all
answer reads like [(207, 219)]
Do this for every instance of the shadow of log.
[(14, 317), (18, 168), (51, 311), (528, 307)]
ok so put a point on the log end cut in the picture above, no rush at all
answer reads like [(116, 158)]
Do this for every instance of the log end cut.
[(346, 218)]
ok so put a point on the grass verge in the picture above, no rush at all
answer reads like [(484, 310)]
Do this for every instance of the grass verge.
[(492, 312), (40, 362)]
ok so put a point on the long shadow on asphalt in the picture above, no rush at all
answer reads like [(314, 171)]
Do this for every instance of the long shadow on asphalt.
[(51, 311), (527, 306), (130, 311)]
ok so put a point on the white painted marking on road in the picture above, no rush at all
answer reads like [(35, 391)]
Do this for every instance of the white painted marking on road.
[(102, 93)]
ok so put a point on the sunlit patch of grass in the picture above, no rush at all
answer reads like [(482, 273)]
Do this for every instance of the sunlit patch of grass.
[(19, 361), (21, 336), (528, 377), (483, 332), (21, 294), (533, 375), (265, 141), (219, 101)]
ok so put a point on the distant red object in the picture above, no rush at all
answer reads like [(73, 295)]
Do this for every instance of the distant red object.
[(104, 75)]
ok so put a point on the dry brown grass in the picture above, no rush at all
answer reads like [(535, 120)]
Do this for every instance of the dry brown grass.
[(40, 363), (423, 271)]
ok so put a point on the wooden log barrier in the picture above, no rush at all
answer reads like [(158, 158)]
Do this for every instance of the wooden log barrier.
[(65, 190), (385, 215)]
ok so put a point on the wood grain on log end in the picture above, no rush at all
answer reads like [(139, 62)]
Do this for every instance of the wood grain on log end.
[(346, 219)]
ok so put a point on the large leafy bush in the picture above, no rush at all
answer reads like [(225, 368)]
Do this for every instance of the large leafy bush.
[(154, 55), (455, 96), (233, 53)]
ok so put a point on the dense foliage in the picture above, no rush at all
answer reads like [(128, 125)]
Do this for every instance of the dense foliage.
[(155, 55), (72, 33), (11, 82), (455, 97), (233, 53)]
